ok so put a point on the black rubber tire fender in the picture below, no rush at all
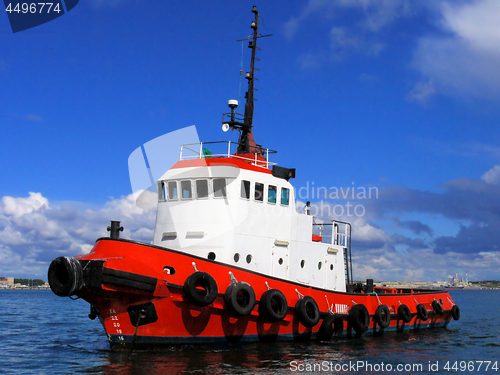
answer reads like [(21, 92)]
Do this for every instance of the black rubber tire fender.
[(307, 311), (359, 318), (437, 307), (200, 288), (455, 312), (404, 313), (422, 312), (383, 316), (331, 328), (273, 305), (239, 298), (65, 276)]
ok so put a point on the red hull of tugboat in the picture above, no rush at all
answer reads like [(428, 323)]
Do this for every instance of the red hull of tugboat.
[(137, 278)]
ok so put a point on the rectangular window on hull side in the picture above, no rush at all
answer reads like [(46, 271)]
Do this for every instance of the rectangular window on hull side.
[(285, 196), (245, 189), (201, 189), (186, 189), (259, 191), (219, 187), (172, 191), (271, 194)]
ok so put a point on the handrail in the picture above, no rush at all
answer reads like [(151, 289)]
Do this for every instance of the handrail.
[(344, 240), (198, 153)]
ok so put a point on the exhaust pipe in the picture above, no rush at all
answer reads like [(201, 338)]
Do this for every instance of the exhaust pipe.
[(65, 276)]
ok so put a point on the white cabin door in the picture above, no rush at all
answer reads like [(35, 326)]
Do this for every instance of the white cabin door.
[(331, 271), (280, 261)]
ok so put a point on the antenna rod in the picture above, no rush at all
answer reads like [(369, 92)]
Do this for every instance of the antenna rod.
[(246, 140), (253, 45)]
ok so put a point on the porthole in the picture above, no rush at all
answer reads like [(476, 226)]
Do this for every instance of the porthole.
[(302, 263), (236, 258), (249, 258), (320, 264), (169, 270), (280, 261), (331, 267), (211, 255)]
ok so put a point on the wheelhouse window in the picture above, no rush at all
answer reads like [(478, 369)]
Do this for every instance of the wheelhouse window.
[(201, 188), (271, 194), (285, 196), (245, 189), (186, 189), (162, 191), (219, 187), (259, 191), (172, 191)]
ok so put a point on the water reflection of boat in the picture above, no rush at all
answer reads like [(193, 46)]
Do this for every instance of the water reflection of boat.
[(233, 261)]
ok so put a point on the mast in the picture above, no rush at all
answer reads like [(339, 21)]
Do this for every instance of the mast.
[(246, 143)]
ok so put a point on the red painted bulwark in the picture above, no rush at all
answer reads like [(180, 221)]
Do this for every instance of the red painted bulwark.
[(230, 162)]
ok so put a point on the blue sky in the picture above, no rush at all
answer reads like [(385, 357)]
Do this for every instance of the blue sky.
[(399, 95)]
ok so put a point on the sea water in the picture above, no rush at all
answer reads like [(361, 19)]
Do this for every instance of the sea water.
[(45, 334)]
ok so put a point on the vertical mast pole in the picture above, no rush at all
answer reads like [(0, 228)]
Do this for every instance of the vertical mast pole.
[(247, 141), (249, 103)]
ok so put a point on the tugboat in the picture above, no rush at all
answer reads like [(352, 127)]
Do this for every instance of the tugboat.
[(233, 261)]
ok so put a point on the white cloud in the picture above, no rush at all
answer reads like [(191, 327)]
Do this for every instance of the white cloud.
[(421, 92), (366, 232), (379, 13), (20, 206), (309, 61), (376, 14), (361, 36), (33, 232), (492, 177), (341, 40), (466, 60), (291, 27)]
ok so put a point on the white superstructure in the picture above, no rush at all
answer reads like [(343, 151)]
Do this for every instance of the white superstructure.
[(232, 209)]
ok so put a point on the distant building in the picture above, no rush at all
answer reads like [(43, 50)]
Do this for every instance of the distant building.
[(6, 282)]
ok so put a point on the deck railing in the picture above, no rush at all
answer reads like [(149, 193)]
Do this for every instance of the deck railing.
[(226, 149), (340, 234)]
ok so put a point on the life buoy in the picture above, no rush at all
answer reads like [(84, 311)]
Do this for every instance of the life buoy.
[(200, 289), (455, 312), (273, 305), (65, 276), (437, 307), (239, 298), (422, 312), (383, 316), (307, 311), (404, 313), (331, 329), (359, 318)]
